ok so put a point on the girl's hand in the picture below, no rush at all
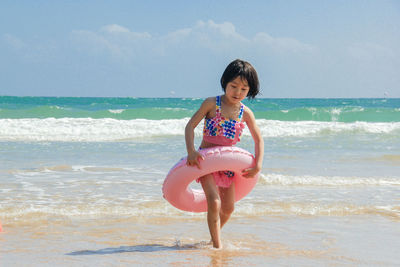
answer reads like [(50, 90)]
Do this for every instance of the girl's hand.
[(193, 159), (251, 172)]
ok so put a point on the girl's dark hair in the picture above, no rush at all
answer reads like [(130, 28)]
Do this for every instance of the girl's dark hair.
[(244, 70)]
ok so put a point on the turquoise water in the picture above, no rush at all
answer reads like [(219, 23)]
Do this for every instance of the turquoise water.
[(340, 110)]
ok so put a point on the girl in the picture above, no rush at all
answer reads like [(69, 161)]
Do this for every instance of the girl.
[(224, 122)]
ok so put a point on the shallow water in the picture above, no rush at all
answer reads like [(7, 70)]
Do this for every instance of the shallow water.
[(84, 192), (74, 204), (271, 240)]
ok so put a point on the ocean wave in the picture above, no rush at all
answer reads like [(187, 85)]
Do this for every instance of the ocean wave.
[(281, 208), (86, 129), (331, 114), (116, 111), (99, 130), (271, 128), (53, 111), (324, 181), (328, 110), (40, 171), (31, 213)]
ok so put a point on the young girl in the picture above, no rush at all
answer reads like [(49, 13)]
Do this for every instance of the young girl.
[(224, 122)]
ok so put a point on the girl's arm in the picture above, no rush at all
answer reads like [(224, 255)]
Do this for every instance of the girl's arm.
[(258, 143), (193, 155)]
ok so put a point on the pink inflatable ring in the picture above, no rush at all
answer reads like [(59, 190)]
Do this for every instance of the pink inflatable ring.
[(176, 188)]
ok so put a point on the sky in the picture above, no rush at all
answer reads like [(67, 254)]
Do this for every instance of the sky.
[(300, 49)]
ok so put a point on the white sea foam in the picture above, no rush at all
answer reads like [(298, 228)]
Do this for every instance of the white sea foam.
[(308, 180), (87, 129), (151, 209), (316, 209), (272, 128), (116, 111)]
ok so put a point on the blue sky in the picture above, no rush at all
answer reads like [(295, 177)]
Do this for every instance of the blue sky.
[(180, 48)]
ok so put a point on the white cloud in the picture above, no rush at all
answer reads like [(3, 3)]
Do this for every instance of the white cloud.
[(179, 35), (13, 41), (123, 32), (281, 43), (34, 51), (114, 28), (117, 40), (123, 43), (91, 41), (224, 36), (226, 30)]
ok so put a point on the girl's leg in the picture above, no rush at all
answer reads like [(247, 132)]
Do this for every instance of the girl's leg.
[(214, 207), (227, 202)]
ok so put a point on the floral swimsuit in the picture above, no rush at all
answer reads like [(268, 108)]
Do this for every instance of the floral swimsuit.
[(223, 132)]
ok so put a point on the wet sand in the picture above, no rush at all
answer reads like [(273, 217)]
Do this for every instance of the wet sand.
[(258, 241)]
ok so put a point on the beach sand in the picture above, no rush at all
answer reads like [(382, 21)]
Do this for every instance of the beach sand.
[(259, 241)]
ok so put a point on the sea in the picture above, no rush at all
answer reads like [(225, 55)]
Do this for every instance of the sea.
[(81, 179)]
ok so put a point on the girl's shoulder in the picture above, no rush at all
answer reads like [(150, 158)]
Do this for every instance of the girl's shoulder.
[(209, 102), (211, 99), (247, 113)]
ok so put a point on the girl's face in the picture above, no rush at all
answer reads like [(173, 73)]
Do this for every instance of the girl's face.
[(236, 90)]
